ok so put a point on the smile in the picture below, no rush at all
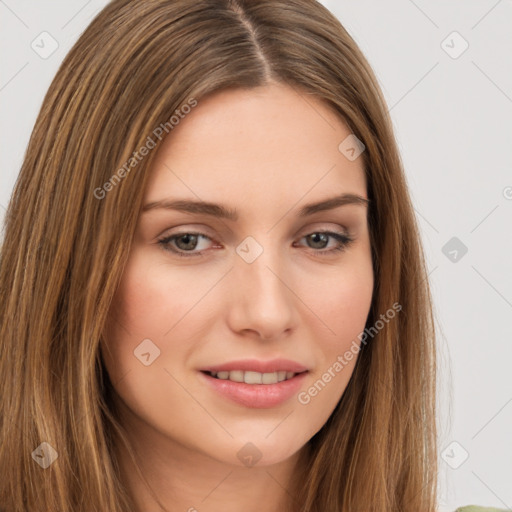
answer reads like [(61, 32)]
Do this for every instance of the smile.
[(254, 389), (250, 377)]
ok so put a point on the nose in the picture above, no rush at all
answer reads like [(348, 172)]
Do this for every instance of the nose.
[(262, 299)]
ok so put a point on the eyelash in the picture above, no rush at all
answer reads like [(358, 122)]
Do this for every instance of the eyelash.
[(344, 241)]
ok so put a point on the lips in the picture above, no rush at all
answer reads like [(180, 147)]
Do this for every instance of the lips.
[(256, 384), (254, 365)]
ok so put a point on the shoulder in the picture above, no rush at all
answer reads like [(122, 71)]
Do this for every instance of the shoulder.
[(475, 508)]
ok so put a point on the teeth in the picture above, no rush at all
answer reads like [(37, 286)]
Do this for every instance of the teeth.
[(269, 378), (253, 377), (236, 375)]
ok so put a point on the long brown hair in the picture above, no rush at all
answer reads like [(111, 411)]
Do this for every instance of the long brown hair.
[(68, 235)]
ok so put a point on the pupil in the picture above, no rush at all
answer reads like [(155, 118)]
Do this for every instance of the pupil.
[(322, 236), (188, 239)]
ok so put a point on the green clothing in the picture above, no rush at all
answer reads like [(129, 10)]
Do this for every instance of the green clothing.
[(474, 508)]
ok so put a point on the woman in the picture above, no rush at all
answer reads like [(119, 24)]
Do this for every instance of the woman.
[(213, 287)]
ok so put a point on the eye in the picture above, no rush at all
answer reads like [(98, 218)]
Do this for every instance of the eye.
[(320, 240), (185, 244)]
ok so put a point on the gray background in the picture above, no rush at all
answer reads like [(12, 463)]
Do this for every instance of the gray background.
[(452, 113)]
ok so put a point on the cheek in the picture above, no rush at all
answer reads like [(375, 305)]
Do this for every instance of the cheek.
[(343, 302), (351, 305), (344, 309), (154, 296), (150, 301)]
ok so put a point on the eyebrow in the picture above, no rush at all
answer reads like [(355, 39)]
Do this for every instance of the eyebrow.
[(220, 211)]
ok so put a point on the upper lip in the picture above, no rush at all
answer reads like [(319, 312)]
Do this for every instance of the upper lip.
[(254, 365)]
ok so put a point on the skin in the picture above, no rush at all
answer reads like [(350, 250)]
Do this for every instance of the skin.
[(266, 152)]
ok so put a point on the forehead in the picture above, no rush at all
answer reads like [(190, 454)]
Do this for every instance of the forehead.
[(256, 147)]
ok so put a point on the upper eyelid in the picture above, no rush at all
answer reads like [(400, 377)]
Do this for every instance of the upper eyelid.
[(317, 226), (174, 236)]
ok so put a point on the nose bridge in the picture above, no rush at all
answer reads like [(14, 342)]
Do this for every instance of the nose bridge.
[(261, 301), (257, 258)]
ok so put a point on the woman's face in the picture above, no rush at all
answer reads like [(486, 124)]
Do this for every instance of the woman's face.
[(261, 292)]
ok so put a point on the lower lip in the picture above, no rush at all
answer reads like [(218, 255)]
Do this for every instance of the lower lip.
[(256, 396)]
